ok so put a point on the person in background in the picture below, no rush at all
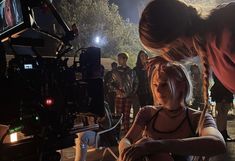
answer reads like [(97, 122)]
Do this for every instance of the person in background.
[(10, 14), (169, 130), (224, 101), (124, 83), (13, 12), (197, 101), (109, 94), (143, 92)]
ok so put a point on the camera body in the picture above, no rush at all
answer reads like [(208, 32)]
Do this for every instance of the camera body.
[(45, 97), (41, 96)]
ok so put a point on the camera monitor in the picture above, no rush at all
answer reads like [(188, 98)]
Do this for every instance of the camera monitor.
[(14, 17), (28, 66)]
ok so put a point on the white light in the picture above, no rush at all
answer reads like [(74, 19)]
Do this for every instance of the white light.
[(13, 137), (97, 39)]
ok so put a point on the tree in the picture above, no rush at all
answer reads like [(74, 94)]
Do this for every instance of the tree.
[(224, 1), (203, 6), (98, 18)]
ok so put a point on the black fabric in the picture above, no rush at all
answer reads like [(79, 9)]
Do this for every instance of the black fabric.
[(190, 124), (219, 92), (187, 118), (167, 132), (180, 158), (144, 93)]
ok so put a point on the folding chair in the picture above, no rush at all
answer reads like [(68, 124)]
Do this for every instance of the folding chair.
[(109, 137)]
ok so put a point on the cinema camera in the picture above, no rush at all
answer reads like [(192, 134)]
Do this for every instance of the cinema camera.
[(40, 96)]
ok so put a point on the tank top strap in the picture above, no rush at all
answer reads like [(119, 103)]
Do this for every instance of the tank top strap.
[(190, 123), (155, 115)]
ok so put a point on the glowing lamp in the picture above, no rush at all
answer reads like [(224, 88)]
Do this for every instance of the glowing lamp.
[(13, 137)]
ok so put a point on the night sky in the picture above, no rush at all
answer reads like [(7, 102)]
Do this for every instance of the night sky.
[(128, 9)]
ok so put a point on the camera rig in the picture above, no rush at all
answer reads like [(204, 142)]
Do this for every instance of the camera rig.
[(40, 96)]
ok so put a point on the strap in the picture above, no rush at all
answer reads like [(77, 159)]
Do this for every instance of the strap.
[(190, 123), (155, 115), (167, 132)]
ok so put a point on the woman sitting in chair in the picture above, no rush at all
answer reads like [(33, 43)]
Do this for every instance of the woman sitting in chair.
[(169, 130)]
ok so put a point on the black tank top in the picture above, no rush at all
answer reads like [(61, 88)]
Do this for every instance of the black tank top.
[(174, 156)]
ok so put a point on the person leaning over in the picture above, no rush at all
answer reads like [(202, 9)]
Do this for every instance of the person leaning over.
[(172, 26)]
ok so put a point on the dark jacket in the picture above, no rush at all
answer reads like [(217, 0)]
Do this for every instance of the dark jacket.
[(125, 80)]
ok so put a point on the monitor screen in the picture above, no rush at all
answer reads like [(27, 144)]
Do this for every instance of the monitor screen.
[(13, 17), (28, 66)]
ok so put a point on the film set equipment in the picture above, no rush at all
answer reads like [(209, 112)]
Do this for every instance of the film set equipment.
[(41, 96)]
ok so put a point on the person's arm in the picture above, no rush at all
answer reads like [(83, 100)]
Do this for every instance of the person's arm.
[(135, 132), (209, 143), (112, 82)]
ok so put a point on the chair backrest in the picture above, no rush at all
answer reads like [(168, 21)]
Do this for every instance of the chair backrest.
[(108, 114), (110, 137)]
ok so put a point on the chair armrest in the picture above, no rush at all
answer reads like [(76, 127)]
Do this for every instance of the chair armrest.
[(107, 130)]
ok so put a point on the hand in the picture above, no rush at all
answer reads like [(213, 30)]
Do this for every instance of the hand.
[(135, 152)]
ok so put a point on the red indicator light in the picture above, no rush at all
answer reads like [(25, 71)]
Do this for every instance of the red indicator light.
[(49, 102)]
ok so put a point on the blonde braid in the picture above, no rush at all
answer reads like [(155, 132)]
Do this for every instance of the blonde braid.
[(206, 70)]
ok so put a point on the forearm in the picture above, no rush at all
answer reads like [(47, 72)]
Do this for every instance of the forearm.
[(198, 146)]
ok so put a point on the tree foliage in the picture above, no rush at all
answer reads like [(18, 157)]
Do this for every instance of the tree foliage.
[(99, 18)]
